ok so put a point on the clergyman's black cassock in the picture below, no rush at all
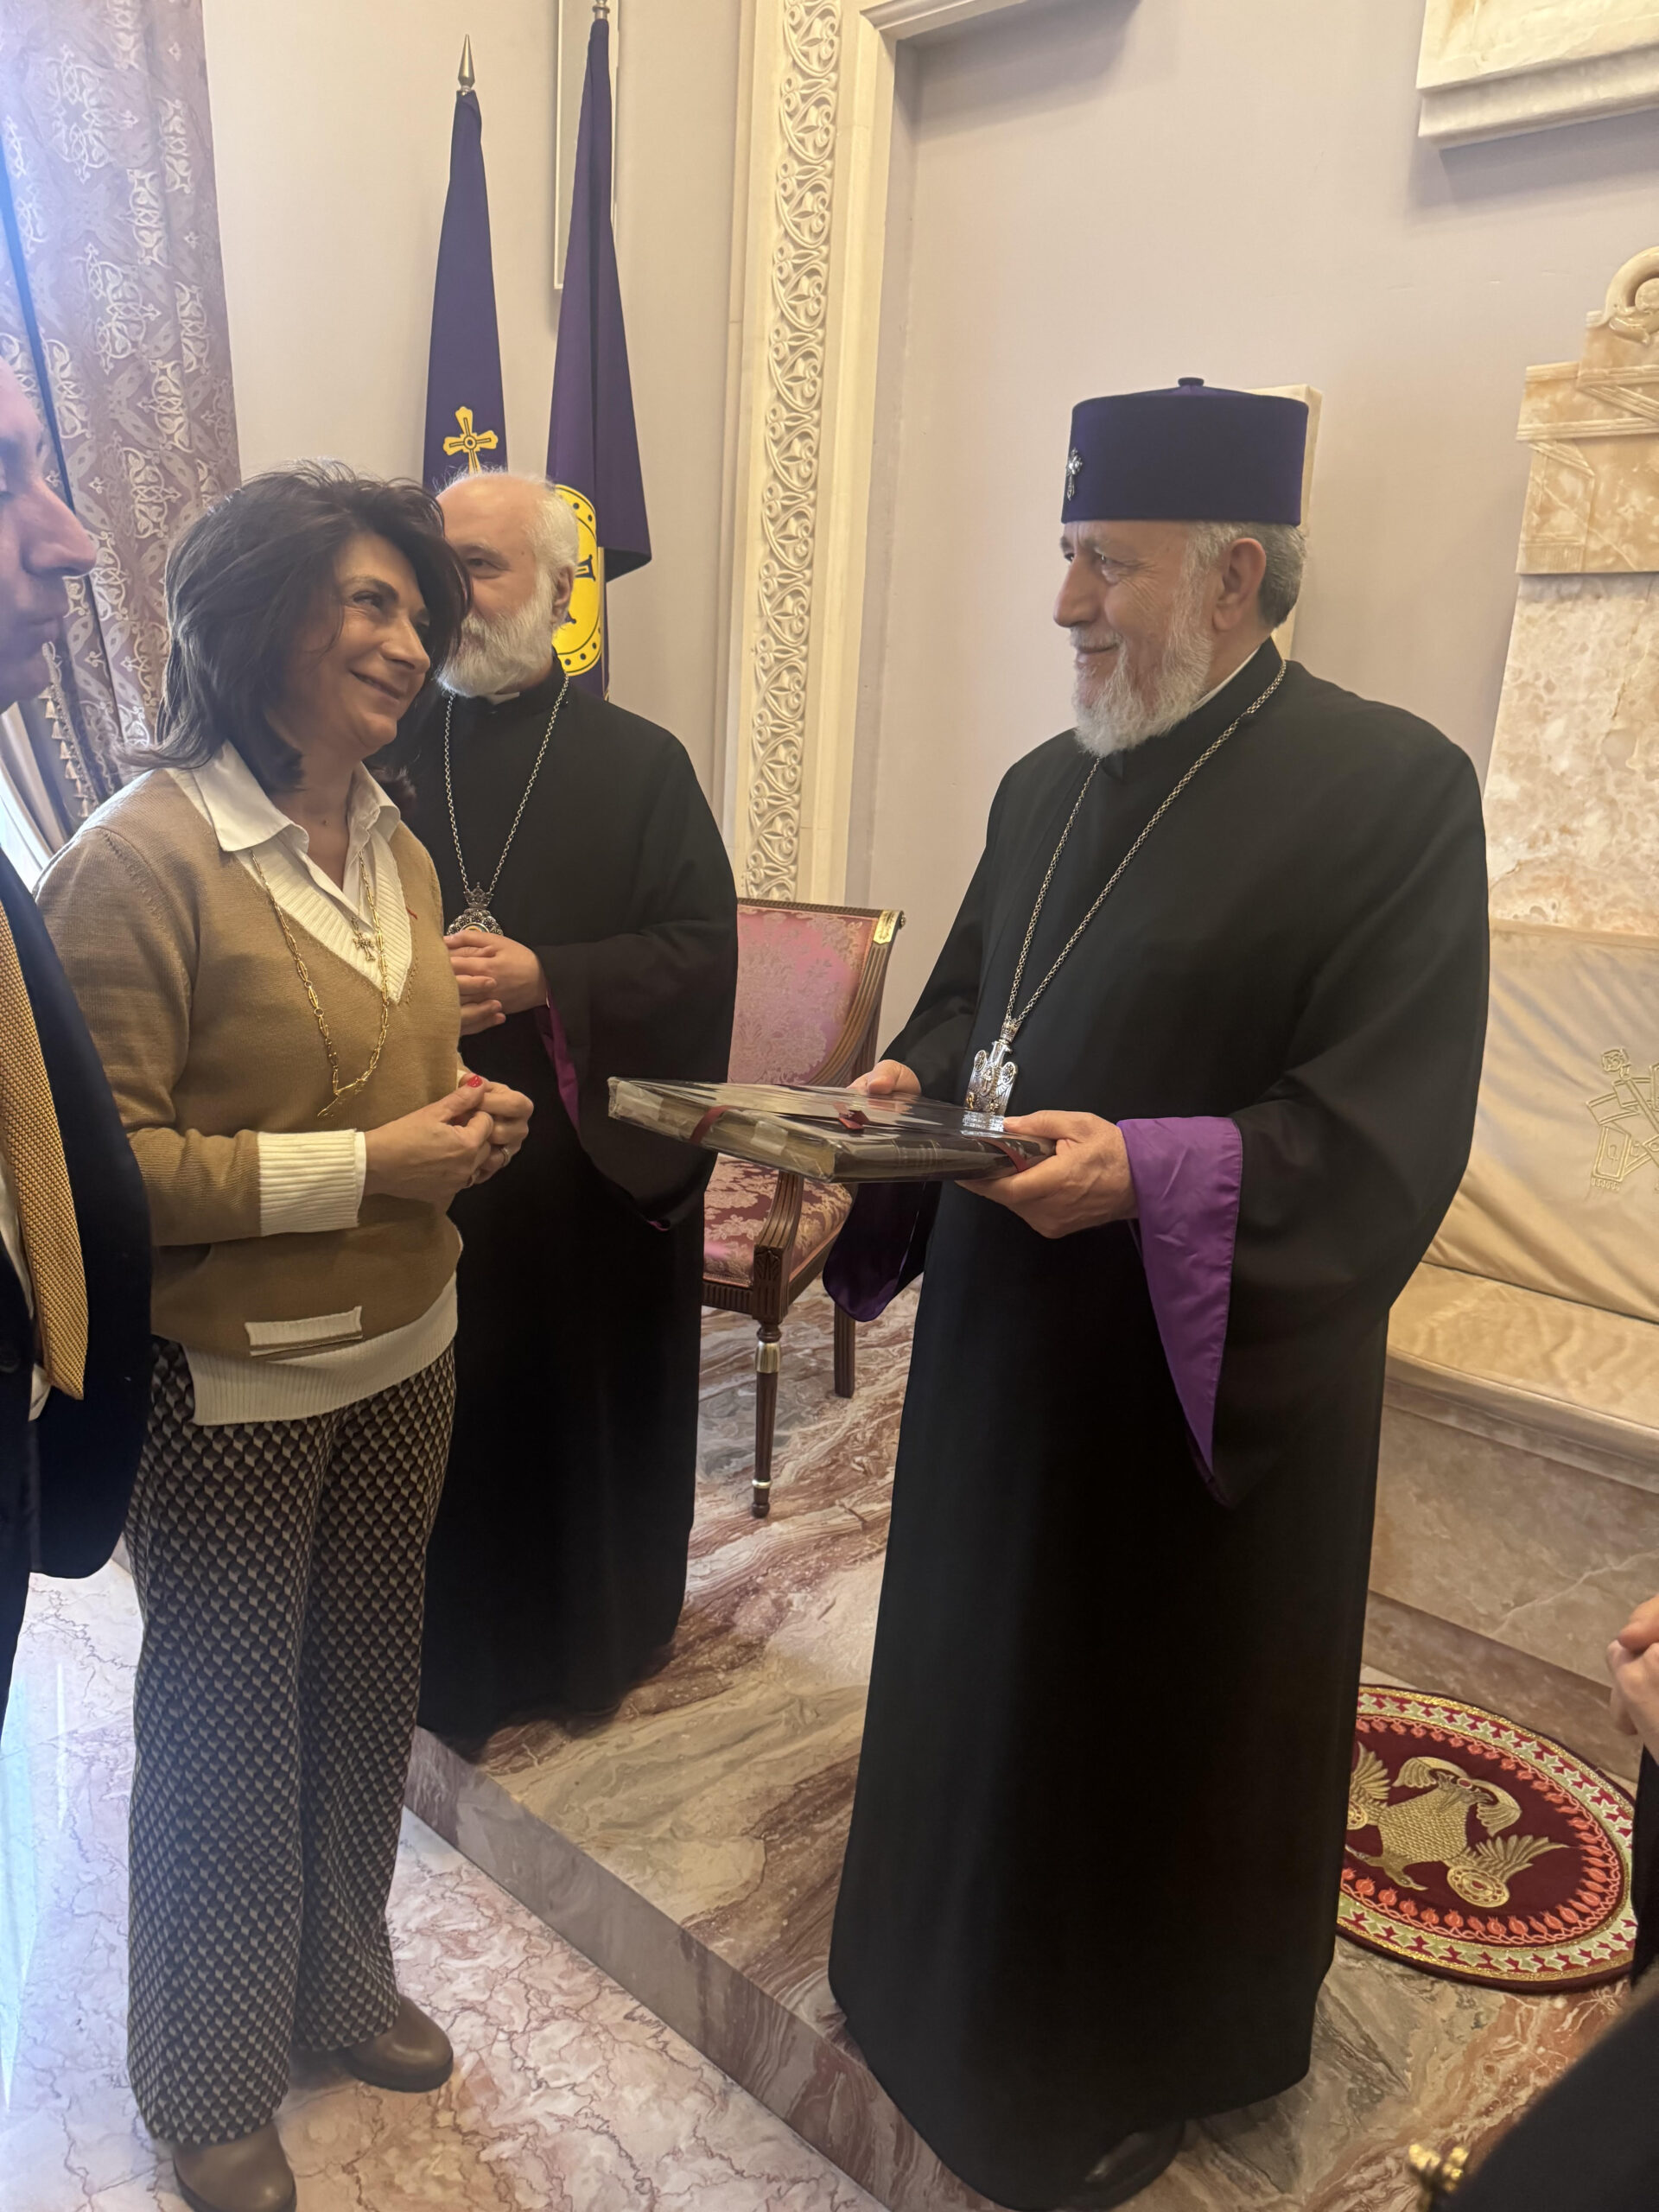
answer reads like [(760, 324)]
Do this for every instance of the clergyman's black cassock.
[(557, 1564), (1091, 1881)]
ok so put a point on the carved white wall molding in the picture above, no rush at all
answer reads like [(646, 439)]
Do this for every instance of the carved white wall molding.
[(1509, 65), (809, 251), (917, 18)]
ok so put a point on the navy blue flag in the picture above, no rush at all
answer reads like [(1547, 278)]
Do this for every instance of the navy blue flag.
[(592, 454), (466, 425)]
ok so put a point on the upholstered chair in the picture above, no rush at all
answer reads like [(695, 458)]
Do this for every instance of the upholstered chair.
[(809, 1002)]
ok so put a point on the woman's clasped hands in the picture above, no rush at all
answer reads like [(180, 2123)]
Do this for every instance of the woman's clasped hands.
[(458, 1140)]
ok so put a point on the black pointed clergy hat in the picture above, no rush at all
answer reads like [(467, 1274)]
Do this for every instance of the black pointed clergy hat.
[(1196, 453)]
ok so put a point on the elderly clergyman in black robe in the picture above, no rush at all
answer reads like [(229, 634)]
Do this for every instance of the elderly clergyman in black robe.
[(593, 932), (1227, 944)]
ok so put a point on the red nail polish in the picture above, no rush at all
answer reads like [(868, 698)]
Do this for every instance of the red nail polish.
[(474, 1083)]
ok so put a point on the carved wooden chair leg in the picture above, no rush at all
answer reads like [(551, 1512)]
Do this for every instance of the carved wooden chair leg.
[(768, 1358), (846, 1354)]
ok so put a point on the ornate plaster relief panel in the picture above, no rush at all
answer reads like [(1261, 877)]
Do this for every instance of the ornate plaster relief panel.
[(1489, 68), (1572, 791)]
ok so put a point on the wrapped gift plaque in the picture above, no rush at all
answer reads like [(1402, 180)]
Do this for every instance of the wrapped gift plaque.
[(835, 1136)]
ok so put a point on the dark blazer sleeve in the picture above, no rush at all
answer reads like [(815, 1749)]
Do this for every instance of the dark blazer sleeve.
[(88, 1447)]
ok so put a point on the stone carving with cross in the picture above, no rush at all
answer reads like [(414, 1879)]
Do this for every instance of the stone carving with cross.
[(472, 442)]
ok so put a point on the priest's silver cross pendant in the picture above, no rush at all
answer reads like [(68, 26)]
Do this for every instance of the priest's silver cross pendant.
[(992, 1083), (476, 915)]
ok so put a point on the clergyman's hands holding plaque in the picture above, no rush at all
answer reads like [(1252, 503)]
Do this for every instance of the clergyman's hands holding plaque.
[(1085, 1183), (888, 1079)]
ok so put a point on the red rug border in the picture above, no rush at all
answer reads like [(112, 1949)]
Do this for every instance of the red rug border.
[(1562, 1987)]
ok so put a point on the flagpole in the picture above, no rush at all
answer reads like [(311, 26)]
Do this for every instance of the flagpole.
[(465, 416)]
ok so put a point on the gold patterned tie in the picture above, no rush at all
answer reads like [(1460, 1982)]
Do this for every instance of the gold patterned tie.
[(46, 1205)]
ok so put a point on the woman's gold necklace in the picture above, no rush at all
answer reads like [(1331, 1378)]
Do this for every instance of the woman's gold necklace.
[(341, 1091)]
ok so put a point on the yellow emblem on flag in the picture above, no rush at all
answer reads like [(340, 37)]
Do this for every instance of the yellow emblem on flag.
[(472, 442), (581, 641)]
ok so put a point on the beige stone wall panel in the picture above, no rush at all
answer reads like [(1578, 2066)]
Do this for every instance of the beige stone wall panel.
[(1489, 68), (1571, 824), (1593, 497)]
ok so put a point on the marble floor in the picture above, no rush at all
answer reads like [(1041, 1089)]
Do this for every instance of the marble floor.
[(568, 2095), (631, 1953), (690, 1844)]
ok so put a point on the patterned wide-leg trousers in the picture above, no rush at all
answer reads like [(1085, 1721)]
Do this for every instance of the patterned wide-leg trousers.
[(281, 1572)]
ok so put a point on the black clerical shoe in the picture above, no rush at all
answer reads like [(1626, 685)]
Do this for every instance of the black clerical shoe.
[(1127, 2168), (470, 1748)]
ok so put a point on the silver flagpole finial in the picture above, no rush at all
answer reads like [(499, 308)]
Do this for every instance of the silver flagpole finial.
[(602, 11), (466, 80)]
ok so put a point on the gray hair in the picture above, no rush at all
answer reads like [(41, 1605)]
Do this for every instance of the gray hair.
[(553, 537), (1285, 545)]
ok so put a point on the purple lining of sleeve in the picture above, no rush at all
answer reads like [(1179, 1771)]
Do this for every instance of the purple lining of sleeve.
[(878, 1251), (552, 1035), (1187, 1173)]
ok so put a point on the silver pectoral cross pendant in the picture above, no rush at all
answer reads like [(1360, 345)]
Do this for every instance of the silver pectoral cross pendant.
[(992, 1083), (474, 915)]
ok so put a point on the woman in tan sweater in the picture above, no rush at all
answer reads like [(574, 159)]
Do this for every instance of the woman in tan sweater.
[(257, 946)]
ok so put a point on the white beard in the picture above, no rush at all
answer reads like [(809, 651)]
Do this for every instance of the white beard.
[(1121, 717), (507, 654)]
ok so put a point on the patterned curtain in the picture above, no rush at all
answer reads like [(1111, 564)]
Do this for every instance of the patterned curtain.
[(112, 314)]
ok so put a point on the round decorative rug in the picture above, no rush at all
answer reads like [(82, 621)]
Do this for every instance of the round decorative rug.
[(1481, 1852)]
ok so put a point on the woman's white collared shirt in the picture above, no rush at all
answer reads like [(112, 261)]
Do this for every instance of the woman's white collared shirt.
[(313, 1179)]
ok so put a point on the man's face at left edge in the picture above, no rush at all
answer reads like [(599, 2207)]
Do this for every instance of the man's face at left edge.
[(42, 545)]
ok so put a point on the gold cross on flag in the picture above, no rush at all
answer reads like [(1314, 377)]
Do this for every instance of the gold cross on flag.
[(472, 442)]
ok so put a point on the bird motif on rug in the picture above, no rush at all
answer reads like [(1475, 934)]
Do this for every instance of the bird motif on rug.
[(1430, 1828)]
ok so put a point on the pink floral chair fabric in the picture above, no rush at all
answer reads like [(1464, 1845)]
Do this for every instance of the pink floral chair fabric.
[(738, 1205), (798, 971), (809, 1000)]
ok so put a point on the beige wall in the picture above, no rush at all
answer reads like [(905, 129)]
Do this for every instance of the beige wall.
[(1108, 196), (331, 121)]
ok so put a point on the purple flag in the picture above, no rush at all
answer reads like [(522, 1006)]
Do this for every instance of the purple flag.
[(592, 454), (466, 425)]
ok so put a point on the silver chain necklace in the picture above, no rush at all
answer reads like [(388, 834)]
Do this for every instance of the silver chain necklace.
[(995, 1074), (475, 914)]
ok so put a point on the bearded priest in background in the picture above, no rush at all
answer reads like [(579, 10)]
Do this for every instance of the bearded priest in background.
[(593, 933), (1091, 1882)]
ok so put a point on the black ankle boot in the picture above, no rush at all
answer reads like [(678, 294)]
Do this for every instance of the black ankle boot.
[(1127, 2168)]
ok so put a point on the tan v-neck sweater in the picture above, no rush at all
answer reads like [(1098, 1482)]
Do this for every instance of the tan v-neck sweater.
[(207, 1038)]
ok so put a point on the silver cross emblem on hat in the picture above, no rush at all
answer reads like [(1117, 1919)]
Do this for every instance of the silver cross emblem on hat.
[(1073, 470)]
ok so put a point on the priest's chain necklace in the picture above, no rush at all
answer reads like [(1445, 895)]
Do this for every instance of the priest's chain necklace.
[(341, 1091), (995, 1074), (475, 914)]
